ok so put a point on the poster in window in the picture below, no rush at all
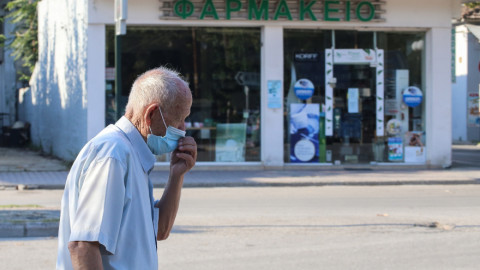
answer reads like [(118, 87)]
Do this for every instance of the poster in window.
[(304, 132), (473, 113), (415, 147), (395, 149), (230, 142), (274, 94), (352, 100)]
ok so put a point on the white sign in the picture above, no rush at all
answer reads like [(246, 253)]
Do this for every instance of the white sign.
[(415, 154), (356, 56)]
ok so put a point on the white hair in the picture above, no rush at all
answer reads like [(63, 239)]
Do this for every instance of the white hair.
[(159, 85)]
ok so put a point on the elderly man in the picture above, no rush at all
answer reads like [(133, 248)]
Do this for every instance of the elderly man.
[(109, 218)]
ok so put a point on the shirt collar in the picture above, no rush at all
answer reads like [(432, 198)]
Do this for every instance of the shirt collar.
[(146, 157)]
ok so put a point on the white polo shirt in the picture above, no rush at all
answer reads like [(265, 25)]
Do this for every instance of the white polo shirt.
[(109, 198)]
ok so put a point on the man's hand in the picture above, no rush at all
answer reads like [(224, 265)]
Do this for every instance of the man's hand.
[(184, 157)]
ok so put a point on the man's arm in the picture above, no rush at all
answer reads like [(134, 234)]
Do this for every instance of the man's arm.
[(85, 255), (183, 159)]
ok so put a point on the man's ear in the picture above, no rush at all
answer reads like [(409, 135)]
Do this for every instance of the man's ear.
[(148, 114)]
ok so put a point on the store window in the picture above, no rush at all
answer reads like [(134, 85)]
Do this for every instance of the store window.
[(354, 104), (222, 66)]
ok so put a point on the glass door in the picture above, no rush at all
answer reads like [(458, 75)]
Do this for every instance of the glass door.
[(354, 114), (354, 104)]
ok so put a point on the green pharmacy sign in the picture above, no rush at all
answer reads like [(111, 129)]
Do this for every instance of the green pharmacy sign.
[(264, 10)]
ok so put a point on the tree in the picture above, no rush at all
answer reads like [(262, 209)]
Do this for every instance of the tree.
[(472, 4), (24, 41)]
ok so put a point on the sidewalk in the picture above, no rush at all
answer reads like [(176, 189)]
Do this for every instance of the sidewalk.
[(24, 169)]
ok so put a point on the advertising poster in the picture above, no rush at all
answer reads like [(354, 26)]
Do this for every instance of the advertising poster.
[(230, 143), (473, 114), (395, 149), (415, 147), (304, 132), (274, 94)]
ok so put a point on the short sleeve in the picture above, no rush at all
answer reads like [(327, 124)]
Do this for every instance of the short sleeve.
[(100, 204)]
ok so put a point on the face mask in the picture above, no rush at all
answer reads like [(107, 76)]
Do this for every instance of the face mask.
[(160, 145)]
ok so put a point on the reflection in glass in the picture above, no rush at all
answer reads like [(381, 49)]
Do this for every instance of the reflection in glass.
[(222, 66)]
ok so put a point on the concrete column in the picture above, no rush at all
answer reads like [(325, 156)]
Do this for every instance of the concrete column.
[(438, 97), (272, 141), (459, 88), (95, 79)]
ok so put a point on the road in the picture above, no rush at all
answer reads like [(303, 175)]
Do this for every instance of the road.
[(372, 227), (465, 156)]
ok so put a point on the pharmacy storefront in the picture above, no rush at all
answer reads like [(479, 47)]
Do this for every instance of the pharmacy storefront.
[(291, 83)]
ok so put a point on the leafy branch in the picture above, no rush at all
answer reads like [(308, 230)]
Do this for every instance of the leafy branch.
[(472, 4), (24, 38)]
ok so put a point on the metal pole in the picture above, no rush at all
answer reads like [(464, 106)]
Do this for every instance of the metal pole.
[(118, 75), (333, 40)]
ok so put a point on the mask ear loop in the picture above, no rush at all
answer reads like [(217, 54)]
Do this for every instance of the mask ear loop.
[(163, 119)]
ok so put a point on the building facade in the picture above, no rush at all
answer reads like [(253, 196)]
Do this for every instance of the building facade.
[(466, 83), (275, 83)]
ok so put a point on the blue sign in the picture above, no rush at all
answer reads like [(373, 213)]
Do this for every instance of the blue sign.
[(412, 96), (303, 89)]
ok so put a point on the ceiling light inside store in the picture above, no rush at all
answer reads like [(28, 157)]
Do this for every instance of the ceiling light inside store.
[(417, 45)]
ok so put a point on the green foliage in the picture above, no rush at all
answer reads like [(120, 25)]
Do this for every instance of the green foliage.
[(24, 40), (472, 4)]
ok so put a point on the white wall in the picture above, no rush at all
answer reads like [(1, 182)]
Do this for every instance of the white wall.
[(95, 79), (56, 104), (272, 118), (459, 88), (438, 97)]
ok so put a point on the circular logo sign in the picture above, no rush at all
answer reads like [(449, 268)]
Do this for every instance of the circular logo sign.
[(303, 89), (412, 96), (304, 150), (394, 127)]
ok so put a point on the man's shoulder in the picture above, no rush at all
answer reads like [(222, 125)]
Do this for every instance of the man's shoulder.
[(109, 143)]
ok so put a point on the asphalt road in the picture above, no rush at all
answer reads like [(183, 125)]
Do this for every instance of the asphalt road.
[(466, 156), (379, 227)]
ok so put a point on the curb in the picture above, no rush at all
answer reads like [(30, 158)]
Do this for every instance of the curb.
[(321, 184), (273, 184), (33, 229)]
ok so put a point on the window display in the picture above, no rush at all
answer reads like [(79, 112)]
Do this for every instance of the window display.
[(222, 66), (368, 87)]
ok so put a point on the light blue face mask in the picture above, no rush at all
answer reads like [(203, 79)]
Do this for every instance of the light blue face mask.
[(161, 145)]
